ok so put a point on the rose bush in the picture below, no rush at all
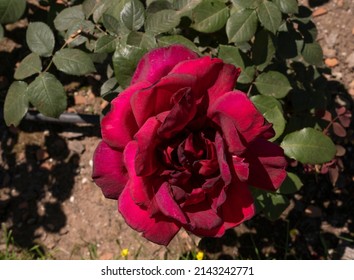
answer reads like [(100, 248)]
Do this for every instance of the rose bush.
[(180, 148)]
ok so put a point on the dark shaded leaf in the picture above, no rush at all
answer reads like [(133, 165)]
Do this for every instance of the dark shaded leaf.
[(291, 184), (234, 56), (263, 49)]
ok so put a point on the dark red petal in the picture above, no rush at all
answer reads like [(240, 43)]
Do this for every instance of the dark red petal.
[(159, 229), (145, 161), (234, 112), (109, 172), (238, 206), (168, 206), (119, 125), (159, 62), (202, 217), (179, 116), (157, 99), (224, 83), (222, 159), (267, 165), (241, 168)]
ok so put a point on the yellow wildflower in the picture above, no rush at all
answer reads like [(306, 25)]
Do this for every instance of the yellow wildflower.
[(200, 255)]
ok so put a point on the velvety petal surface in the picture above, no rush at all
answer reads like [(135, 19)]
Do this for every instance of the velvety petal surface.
[(109, 171), (238, 206), (267, 165), (239, 119), (157, 99), (158, 229), (159, 62), (119, 125)]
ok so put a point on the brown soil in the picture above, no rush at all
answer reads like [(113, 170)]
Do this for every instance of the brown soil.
[(47, 197)]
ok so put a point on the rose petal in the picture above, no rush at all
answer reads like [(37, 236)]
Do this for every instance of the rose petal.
[(157, 99), (239, 119), (202, 217), (267, 165), (139, 189), (179, 116), (241, 168), (238, 206), (159, 229), (167, 204), (159, 62), (222, 159), (145, 160), (205, 69), (119, 125), (109, 172), (224, 83)]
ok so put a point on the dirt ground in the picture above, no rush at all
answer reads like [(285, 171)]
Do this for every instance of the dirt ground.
[(47, 197)]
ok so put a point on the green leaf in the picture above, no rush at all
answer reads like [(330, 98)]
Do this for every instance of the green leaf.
[(313, 54), (89, 6), (287, 6), (1, 32), (291, 184), (270, 16), (247, 75), (275, 116), (252, 4), (241, 26), (309, 146), (16, 103), (263, 49), (47, 94), (272, 111), (73, 62), (73, 33), (109, 89), (141, 40), (273, 83), (11, 10), (271, 204), (40, 38), (125, 60), (162, 21), (111, 24), (106, 44), (133, 15), (209, 16), (68, 17), (30, 65), (177, 39), (266, 103), (234, 56)]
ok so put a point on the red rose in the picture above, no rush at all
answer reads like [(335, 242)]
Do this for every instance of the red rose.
[(180, 148)]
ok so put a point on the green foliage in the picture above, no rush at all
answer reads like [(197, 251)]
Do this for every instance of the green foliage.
[(272, 41)]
